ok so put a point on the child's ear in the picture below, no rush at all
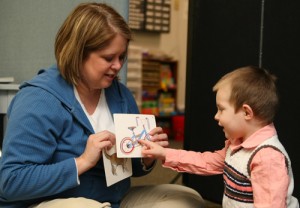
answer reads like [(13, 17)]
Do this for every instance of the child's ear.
[(248, 111)]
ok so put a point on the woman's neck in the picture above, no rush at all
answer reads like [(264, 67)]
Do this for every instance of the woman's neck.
[(88, 97)]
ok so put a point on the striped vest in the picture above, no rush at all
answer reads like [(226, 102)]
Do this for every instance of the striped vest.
[(238, 188)]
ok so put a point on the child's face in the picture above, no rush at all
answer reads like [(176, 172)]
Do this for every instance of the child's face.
[(233, 123)]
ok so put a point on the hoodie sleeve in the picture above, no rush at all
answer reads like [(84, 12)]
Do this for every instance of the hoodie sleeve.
[(29, 168)]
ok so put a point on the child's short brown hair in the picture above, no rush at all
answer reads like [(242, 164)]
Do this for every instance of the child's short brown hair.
[(255, 87)]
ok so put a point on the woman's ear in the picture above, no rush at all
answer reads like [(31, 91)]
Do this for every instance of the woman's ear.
[(248, 112)]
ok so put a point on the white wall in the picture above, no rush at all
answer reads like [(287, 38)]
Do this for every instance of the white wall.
[(28, 30), (173, 43)]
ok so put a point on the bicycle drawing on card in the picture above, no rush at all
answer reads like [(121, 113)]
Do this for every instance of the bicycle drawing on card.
[(129, 143)]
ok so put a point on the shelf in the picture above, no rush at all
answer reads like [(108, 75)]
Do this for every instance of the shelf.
[(152, 82), (134, 73), (159, 86)]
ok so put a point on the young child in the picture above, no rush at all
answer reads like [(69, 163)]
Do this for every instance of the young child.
[(256, 168)]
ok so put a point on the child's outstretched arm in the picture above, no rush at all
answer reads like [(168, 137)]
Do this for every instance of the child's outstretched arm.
[(152, 150), (159, 138)]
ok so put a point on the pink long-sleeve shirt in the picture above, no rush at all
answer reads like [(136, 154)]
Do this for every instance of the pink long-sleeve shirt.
[(269, 177)]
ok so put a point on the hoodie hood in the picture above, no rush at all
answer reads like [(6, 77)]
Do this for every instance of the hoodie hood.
[(51, 81)]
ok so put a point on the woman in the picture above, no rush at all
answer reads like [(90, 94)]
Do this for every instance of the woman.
[(61, 120)]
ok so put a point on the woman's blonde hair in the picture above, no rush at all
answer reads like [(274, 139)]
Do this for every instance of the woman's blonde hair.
[(255, 87), (89, 27)]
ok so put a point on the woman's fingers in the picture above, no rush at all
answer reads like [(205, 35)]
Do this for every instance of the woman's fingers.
[(104, 136), (159, 137), (95, 144)]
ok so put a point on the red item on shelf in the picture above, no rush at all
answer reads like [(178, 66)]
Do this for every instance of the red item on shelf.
[(178, 127)]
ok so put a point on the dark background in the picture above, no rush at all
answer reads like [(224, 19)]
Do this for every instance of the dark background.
[(225, 35)]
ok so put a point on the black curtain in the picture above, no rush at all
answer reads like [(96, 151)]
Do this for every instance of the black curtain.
[(222, 36)]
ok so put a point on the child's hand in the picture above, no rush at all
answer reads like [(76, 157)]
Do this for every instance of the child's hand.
[(152, 150)]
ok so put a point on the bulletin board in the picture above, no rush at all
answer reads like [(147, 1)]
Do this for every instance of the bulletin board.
[(150, 15)]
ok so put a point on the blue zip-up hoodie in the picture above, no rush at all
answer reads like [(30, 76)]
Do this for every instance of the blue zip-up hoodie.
[(46, 130)]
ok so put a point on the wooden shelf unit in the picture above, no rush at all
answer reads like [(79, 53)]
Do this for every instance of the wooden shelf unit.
[(153, 82), (159, 87), (159, 91)]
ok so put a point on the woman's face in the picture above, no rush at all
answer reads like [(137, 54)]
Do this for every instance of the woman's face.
[(101, 67)]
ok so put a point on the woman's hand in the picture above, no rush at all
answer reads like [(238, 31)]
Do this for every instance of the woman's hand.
[(92, 153), (159, 138)]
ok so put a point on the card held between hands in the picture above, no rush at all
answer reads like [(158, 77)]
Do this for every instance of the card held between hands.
[(129, 128)]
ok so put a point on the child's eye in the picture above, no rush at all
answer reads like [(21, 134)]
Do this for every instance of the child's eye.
[(220, 109)]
